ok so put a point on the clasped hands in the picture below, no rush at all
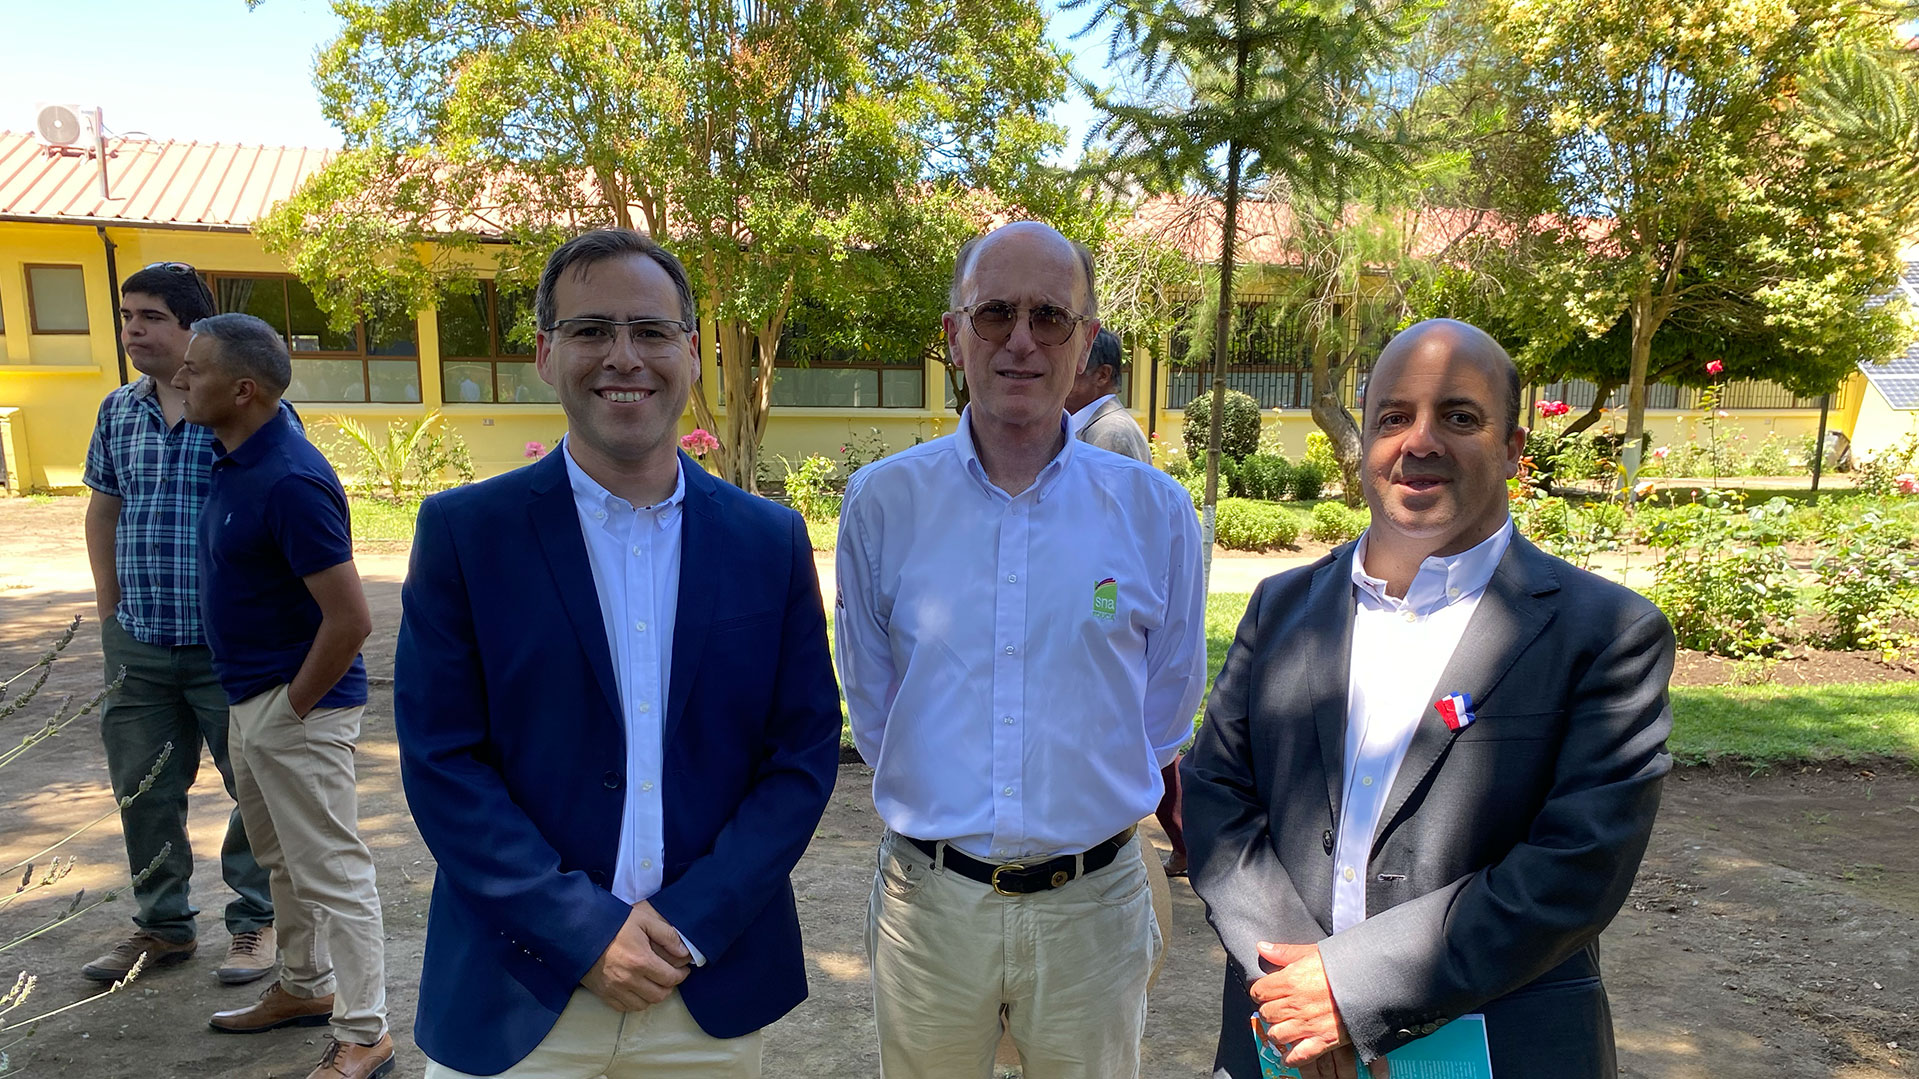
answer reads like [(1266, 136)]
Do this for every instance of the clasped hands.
[(1302, 1021), (642, 965)]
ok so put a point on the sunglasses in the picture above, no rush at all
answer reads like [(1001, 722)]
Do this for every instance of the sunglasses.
[(172, 267), (993, 322)]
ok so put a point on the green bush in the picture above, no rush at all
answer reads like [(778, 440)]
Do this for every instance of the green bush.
[(1319, 454), (1265, 476), (1241, 524), (1879, 476), (1307, 482), (1869, 586), (1239, 427), (1333, 522), (811, 487), (1541, 519), (1723, 581)]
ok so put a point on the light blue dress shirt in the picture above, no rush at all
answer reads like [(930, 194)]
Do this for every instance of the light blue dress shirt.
[(1018, 668)]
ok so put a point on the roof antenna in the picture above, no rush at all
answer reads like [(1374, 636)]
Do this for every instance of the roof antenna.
[(100, 149)]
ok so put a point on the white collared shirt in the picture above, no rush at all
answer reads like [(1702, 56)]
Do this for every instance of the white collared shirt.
[(1400, 650), (635, 555), (1018, 668), (1076, 422)]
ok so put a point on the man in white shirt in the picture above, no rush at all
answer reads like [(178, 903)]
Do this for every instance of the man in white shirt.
[(1431, 763), (1021, 645)]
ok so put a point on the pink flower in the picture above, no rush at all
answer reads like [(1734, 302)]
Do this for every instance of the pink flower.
[(1713, 367), (1553, 408), (1907, 483), (699, 442), (1660, 453), (535, 451), (1723, 414)]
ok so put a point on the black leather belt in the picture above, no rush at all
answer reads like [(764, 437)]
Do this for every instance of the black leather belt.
[(1025, 878)]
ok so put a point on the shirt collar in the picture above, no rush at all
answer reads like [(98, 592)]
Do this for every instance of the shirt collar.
[(1077, 421), (1441, 581), (590, 496), (260, 443), (1048, 476)]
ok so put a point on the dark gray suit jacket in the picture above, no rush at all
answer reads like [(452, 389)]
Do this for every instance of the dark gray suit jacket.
[(1503, 849), (1111, 427)]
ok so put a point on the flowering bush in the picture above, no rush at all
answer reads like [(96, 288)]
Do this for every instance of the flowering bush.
[(535, 450), (1553, 409), (699, 442)]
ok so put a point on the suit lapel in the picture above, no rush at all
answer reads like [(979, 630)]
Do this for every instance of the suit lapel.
[(700, 546), (1510, 615), (556, 520), (1329, 633)]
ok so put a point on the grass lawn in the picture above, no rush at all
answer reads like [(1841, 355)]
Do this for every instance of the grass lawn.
[(1772, 725), (381, 519)]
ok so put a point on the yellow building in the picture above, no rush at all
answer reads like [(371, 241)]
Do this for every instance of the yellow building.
[(72, 226)]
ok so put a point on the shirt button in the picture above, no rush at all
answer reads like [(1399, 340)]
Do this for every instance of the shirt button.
[(1347, 873), (646, 786), (1012, 578), (1366, 782), (1452, 593), (1409, 616), (1007, 791), (641, 626), (636, 549), (646, 706), (646, 863), (599, 515), (1009, 721), (1009, 649), (1001, 852)]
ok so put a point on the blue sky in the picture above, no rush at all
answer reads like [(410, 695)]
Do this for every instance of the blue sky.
[(212, 71)]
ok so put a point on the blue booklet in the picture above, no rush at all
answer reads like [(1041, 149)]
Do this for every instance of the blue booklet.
[(1457, 1050)]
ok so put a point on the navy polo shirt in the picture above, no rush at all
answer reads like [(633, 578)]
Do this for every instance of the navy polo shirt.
[(275, 513)]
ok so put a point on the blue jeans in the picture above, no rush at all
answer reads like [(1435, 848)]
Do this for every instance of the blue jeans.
[(171, 695)]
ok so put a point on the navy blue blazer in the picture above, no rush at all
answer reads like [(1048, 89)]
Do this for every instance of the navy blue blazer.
[(512, 751)]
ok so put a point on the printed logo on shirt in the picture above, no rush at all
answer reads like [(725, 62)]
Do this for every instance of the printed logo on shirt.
[(1106, 599)]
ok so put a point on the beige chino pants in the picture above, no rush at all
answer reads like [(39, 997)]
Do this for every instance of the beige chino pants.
[(300, 801), (591, 1040), (1069, 968)]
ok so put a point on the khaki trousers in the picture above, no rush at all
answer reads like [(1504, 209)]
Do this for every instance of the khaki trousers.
[(1067, 969), (295, 784), (593, 1041)]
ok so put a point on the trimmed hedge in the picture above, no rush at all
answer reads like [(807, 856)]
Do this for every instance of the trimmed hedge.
[(1242, 524), (1239, 429)]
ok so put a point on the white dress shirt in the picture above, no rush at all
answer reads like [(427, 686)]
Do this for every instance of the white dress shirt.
[(1017, 668), (1400, 650), (635, 555), (1076, 422)]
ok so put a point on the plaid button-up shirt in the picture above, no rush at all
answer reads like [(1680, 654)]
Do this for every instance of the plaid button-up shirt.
[(161, 475)]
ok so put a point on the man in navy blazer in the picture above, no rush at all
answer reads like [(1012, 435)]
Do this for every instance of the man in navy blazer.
[(617, 718)]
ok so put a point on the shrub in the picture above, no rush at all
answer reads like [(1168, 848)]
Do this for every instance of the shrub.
[(1723, 580), (1869, 586), (1769, 459), (1245, 525), (860, 451), (1319, 454), (1239, 427), (1881, 477), (1333, 522), (1307, 481), (813, 487), (1541, 519), (1266, 475), (413, 458)]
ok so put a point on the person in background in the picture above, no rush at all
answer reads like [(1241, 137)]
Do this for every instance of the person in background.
[(1098, 416), (148, 468), (286, 617)]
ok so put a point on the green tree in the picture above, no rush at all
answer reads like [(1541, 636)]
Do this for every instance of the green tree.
[(1689, 177), (1221, 97), (785, 149)]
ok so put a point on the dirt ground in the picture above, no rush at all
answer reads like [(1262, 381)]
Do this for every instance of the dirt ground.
[(1772, 931)]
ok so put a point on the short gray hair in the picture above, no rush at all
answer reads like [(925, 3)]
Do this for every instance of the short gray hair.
[(249, 348), (597, 246), (970, 248)]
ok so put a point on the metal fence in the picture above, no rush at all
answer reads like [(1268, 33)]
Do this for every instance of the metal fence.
[(1733, 396), (1276, 386)]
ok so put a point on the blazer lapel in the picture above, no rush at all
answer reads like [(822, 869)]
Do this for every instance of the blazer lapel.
[(556, 520), (700, 546), (1510, 615), (1329, 638)]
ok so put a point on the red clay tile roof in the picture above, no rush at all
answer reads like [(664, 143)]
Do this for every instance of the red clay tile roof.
[(158, 183)]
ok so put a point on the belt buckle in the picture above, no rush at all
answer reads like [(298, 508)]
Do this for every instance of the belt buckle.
[(1016, 867)]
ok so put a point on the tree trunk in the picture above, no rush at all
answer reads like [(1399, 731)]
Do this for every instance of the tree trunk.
[(1644, 323), (1329, 412), (1592, 414), (1222, 328)]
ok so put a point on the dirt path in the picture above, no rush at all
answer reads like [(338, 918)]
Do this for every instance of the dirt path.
[(1772, 931)]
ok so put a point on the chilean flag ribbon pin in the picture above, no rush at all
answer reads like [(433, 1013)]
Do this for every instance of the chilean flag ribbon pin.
[(1457, 710)]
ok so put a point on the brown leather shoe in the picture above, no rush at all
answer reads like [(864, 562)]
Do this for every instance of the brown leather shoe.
[(345, 1060), (276, 1008), (114, 965)]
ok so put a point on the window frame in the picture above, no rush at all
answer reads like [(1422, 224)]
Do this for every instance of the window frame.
[(33, 307), (855, 365), (358, 354), (496, 343)]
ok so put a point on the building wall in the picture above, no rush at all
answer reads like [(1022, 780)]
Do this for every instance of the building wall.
[(1878, 425)]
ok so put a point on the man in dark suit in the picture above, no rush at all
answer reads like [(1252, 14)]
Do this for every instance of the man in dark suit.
[(1431, 763), (617, 717)]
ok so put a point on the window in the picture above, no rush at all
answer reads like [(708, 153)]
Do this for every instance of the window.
[(486, 347), (377, 359), (815, 373), (57, 299)]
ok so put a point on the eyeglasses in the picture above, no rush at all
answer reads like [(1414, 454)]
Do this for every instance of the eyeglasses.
[(172, 267), (993, 321), (594, 337)]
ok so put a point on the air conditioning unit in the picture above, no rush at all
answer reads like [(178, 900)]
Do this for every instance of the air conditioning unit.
[(67, 125)]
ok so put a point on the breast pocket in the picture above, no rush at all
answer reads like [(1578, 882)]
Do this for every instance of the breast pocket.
[(1520, 726)]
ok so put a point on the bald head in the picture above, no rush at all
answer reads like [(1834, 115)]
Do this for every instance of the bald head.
[(1025, 239), (1459, 343)]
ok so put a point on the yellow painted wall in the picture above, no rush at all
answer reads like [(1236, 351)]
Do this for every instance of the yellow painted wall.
[(1878, 425), (53, 381)]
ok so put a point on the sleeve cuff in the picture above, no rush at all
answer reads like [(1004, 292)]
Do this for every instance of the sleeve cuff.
[(699, 960)]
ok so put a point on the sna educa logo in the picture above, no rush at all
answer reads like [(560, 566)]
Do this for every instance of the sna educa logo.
[(1106, 599)]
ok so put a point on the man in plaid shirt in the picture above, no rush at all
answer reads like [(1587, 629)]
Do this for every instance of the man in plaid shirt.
[(149, 471)]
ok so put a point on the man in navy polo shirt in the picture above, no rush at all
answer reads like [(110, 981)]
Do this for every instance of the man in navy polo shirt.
[(285, 617)]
